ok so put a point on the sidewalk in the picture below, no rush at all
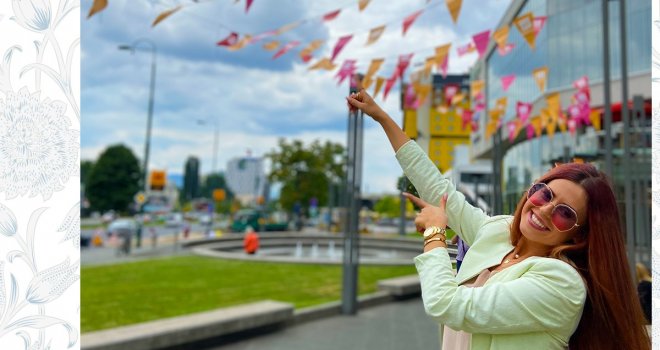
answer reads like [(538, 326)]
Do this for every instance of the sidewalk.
[(392, 326)]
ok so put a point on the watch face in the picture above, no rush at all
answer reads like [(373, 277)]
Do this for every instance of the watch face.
[(430, 231)]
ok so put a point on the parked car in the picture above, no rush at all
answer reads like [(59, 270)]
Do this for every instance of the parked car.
[(259, 220), (174, 220), (124, 229)]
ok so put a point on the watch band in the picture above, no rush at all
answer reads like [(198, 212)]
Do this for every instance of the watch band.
[(433, 235), (437, 239)]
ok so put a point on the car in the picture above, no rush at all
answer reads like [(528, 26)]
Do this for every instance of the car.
[(205, 219), (174, 220)]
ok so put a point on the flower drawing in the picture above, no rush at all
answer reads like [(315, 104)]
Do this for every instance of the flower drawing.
[(49, 284), (32, 14), (38, 149)]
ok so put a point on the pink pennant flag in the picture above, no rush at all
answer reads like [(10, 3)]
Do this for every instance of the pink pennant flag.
[(410, 97), (263, 36), (331, 15), (467, 117), (450, 92), (340, 45), (572, 126), (230, 40), (408, 21), (465, 49), (582, 83), (538, 24), (248, 3), (475, 126), (479, 107), (347, 69), (286, 48), (511, 127), (582, 98), (530, 131), (404, 61), (506, 49), (507, 81), (523, 110), (479, 97), (481, 42), (388, 86)]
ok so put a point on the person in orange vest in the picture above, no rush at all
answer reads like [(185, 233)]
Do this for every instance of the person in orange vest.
[(250, 241)]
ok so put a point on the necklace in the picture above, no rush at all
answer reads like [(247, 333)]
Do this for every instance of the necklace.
[(515, 257)]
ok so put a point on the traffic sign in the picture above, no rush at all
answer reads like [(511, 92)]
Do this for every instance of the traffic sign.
[(140, 198)]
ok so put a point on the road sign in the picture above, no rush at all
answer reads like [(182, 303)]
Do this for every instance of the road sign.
[(219, 195), (140, 198)]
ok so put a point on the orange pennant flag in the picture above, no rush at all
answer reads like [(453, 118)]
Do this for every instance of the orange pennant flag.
[(454, 7), (442, 58), (594, 117), (379, 84), (241, 43), (323, 63), (561, 122), (97, 7), (428, 65), (374, 66), (272, 45), (537, 125), (374, 35), (306, 53), (525, 25), (501, 36), (422, 91), (554, 105), (458, 98), (362, 4), (367, 81), (540, 76), (500, 105), (164, 15), (475, 87)]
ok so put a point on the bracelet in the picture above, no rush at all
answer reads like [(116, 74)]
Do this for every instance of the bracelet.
[(442, 233), (437, 239)]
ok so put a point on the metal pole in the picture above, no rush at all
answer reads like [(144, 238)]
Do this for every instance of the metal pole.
[(152, 87), (606, 90), (625, 119), (215, 146), (402, 199), (349, 278)]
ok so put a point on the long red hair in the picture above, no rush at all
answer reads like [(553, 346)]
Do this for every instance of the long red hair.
[(612, 317)]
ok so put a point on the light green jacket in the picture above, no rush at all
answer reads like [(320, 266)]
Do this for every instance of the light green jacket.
[(535, 304)]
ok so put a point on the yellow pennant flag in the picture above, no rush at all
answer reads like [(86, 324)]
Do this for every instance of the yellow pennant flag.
[(500, 105), (97, 7), (428, 65), (554, 105), (306, 53), (540, 76), (362, 4), (525, 25), (272, 45), (545, 117), (454, 7), (374, 35), (374, 66), (491, 127), (458, 98), (241, 43), (501, 36), (561, 122), (536, 124), (441, 57), (379, 85), (422, 91), (494, 115), (475, 87), (323, 63), (164, 15), (594, 116), (551, 129), (367, 81)]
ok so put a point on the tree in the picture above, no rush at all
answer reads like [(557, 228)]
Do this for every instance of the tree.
[(215, 182), (306, 172), (114, 179), (388, 206)]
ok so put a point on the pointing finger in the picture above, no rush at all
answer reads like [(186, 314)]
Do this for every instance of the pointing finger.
[(416, 200)]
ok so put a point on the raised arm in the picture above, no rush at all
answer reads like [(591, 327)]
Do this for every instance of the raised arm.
[(365, 103)]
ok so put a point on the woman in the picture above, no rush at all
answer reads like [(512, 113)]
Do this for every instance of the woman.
[(553, 275)]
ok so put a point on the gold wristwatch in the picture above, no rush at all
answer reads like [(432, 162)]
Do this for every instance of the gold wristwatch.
[(432, 231)]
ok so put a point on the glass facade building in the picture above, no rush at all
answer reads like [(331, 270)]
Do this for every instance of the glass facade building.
[(570, 45)]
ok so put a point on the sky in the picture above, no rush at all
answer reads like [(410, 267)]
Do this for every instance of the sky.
[(249, 98)]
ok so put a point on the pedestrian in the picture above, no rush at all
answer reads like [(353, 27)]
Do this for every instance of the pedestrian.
[(250, 241), (552, 276), (461, 250), (97, 238), (186, 230), (644, 290), (154, 237)]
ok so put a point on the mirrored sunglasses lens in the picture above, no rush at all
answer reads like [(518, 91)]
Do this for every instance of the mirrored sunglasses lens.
[(563, 217)]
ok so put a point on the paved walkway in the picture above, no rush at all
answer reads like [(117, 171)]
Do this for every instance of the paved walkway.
[(392, 326)]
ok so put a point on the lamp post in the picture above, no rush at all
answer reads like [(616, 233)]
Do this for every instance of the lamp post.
[(215, 143), (151, 46)]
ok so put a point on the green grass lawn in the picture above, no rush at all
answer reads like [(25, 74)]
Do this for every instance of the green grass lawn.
[(123, 294)]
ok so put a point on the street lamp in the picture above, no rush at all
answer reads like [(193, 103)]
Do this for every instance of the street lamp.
[(215, 142), (151, 46)]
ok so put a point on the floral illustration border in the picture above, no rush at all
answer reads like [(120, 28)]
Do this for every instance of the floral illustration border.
[(39, 174)]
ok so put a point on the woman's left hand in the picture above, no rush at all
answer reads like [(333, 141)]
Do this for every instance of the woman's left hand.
[(430, 215)]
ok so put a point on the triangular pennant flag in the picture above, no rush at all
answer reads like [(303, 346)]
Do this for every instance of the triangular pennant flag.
[(500, 105), (379, 85), (409, 97), (530, 131), (501, 36), (561, 121), (306, 53), (404, 61), (507, 80), (450, 91), (230, 40), (287, 27), (408, 21), (465, 49), (476, 86), (523, 110), (458, 98), (323, 63), (374, 66), (374, 35), (551, 124), (340, 45), (539, 22), (286, 48), (347, 69), (479, 107), (582, 83), (423, 91), (367, 81), (554, 105), (538, 127), (511, 128), (594, 117), (545, 117), (481, 41), (540, 76), (164, 15), (388, 86), (466, 117), (442, 58), (248, 3), (362, 4), (241, 43), (572, 126), (525, 25), (272, 45), (454, 7), (503, 51), (263, 35), (331, 15), (97, 7)]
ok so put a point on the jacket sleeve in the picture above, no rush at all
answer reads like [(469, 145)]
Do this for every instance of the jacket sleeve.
[(549, 296), (464, 219)]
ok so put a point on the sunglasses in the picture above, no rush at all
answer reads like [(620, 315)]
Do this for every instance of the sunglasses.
[(563, 217)]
